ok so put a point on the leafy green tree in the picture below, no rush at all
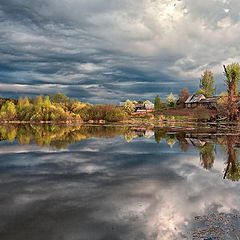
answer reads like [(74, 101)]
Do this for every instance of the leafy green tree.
[(129, 106), (8, 111), (26, 102), (232, 73), (20, 103), (24, 109), (46, 103), (38, 103), (59, 98), (207, 84), (158, 104), (46, 108), (170, 100)]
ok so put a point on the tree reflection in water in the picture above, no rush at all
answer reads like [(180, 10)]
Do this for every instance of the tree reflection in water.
[(233, 167), (60, 136), (207, 155)]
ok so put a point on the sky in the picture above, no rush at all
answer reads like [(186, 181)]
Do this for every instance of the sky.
[(107, 51)]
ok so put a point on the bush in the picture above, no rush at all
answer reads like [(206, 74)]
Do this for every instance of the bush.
[(201, 113), (8, 111), (110, 113), (129, 106)]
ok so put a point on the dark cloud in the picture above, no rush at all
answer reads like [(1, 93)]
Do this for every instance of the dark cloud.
[(107, 51)]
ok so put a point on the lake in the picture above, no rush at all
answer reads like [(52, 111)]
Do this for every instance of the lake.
[(62, 182)]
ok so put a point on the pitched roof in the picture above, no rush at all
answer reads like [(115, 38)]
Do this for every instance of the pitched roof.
[(195, 98), (211, 99)]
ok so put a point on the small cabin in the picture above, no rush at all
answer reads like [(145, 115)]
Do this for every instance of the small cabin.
[(149, 106), (200, 100), (140, 107), (210, 102), (194, 101)]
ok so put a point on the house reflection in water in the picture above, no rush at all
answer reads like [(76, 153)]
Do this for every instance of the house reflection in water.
[(195, 142)]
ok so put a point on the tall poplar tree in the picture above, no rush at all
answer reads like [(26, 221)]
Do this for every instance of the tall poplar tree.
[(207, 87)]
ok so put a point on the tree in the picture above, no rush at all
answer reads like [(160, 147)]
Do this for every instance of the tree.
[(207, 155), (20, 103), (24, 109), (207, 84), (129, 106), (170, 100), (183, 96), (232, 170), (46, 102), (232, 73), (59, 98), (8, 111), (158, 104), (38, 102)]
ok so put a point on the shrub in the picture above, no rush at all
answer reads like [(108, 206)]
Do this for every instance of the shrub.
[(110, 113), (129, 106), (201, 113), (8, 111)]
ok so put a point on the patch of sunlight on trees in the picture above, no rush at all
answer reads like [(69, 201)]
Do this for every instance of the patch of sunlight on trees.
[(59, 108)]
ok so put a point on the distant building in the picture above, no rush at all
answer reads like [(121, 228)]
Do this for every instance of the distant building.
[(140, 107), (200, 100), (194, 101), (149, 106), (195, 142)]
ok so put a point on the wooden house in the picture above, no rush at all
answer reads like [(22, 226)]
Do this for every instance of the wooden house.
[(200, 100), (194, 101), (140, 107)]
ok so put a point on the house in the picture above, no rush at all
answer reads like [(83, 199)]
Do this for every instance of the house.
[(149, 106), (140, 107), (194, 101), (195, 142), (210, 102), (200, 100)]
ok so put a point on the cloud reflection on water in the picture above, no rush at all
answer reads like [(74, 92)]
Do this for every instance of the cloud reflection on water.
[(137, 190)]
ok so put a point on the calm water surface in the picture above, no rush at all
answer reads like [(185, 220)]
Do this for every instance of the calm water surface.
[(92, 182)]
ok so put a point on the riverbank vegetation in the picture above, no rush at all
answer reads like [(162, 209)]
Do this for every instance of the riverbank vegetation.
[(57, 108)]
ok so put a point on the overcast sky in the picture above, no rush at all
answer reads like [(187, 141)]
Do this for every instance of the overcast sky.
[(105, 51)]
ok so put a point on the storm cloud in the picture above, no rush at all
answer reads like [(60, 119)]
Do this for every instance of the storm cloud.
[(108, 51)]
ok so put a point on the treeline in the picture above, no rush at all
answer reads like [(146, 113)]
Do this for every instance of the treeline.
[(57, 108)]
